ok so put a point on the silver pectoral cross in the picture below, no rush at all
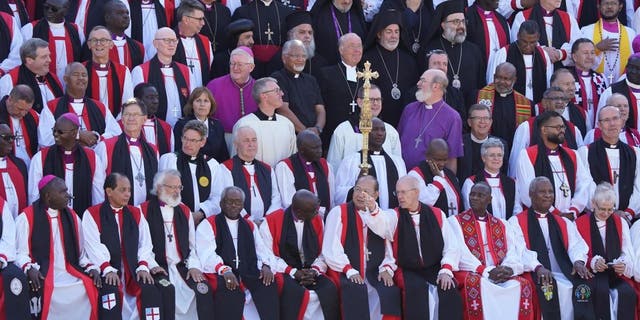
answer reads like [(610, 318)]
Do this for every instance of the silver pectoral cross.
[(237, 261), (269, 33), (140, 178), (418, 140), (452, 208), (367, 253), (353, 105), (610, 77), (565, 189), (19, 138)]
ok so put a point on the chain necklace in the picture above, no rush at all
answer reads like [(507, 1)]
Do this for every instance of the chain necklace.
[(418, 139), (353, 103), (610, 68), (395, 91), (415, 47), (456, 74), (215, 26), (269, 32)]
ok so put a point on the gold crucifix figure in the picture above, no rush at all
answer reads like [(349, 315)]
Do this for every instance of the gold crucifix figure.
[(365, 115)]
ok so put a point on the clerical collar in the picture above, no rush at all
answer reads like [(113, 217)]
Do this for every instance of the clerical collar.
[(52, 212), (116, 210), (583, 73), (553, 152), (165, 65), (208, 7), (193, 159), (548, 13), (477, 140), (430, 106), (351, 73), (118, 37), (479, 218), (56, 25), (147, 1), (266, 3), (375, 153), (610, 146), (186, 37), (247, 163), (414, 212), (503, 95), (488, 174), (101, 66), (133, 141), (308, 165), (541, 215), (41, 79), (263, 117)]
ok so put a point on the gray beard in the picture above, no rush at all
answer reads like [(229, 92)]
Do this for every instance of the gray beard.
[(311, 49), (453, 37), (171, 202)]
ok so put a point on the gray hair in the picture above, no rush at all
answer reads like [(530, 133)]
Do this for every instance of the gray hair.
[(158, 179), (604, 193), (491, 143), (260, 86), (241, 52), (441, 79), (293, 44), (70, 66), (533, 185), (243, 128), (197, 126), (225, 191), (187, 7), (29, 48)]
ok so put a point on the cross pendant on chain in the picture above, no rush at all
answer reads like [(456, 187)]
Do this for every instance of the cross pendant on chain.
[(269, 33), (170, 236), (353, 105), (418, 140)]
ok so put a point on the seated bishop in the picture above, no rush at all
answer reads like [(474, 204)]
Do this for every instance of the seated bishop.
[(611, 256), (50, 250), (13, 282), (358, 252), (555, 257), (439, 186), (173, 237), (237, 263), (426, 254), (490, 262), (256, 178), (117, 240), (294, 235), (385, 167), (306, 169)]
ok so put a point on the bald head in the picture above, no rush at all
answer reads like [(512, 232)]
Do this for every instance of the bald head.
[(305, 204), (437, 145), (506, 68)]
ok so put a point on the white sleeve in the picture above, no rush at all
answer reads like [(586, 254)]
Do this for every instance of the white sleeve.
[(222, 179), (145, 246), (520, 142), (13, 60), (27, 31), (23, 237), (206, 248), (634, 200), (602, 101), (464, 193), (575, 34), (499, 57), (101, 153), (515, 26), (112, 128), (35, 174), (381, 222), (193, 260), (549, 67), (578, 135), (277, 264), (332, 189), (506, 10), (429, 193), (136, 77), (636, 21), (275, 194), (332, 249), (345, 179), (286, 183), (97, 252), (8, 240), (524, 174), (6, 84), (627, 254), (450, 251), (97, 194), (528, 258), (336, 149), (127, 91), (392, 143), (47, 121), (578, 249), (584, 185), (265, 256), (513, 259)]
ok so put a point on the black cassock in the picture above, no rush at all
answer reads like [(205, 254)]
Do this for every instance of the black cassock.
[(327, 30), (504, 118), (217, 17), (417, 23), (394, 67), (312, 66), (302, 93), (471, 70)]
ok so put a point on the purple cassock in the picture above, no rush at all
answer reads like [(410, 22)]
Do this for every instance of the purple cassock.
[(421, 123), (233, 101)]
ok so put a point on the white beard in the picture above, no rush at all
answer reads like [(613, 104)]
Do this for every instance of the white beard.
[(170, 201)]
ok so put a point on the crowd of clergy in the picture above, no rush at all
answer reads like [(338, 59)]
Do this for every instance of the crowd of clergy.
[(202, 159)]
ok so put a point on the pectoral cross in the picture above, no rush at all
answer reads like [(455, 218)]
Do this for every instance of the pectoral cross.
[(615, 177), (140, 178), (353, 105), (176, 111), (170, 236), (565, 189), (610, 77), (269, 33), (19, 138), (418, 140), (452, 208), (237, 261), (367, 253), (191, 65), (530, 84), (548, 291)]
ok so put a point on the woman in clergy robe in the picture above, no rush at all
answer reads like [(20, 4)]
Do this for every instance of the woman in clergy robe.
[(611, 256), (201, 106), (505, 200), (172, 232), (358, 253), (554, 257), (78, 166), (195, 169), (490, 263), (294, 236), (237, 263), (426, 254), (118, 240), (14, 177), (13, 282), (50, 250), (129, 153)]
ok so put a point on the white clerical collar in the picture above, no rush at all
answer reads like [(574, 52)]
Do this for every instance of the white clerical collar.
[(351, 73), (56, 25), (476, 140), (491, 174), (266, 3), (375, 153), (231, 221), (296, 75), (78, 100), (52, 212), (504, 94)]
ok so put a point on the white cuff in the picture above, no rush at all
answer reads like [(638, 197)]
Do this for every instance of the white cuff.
[(223, 270), (292, 273), (594, 260), (387, 269), (109, 269), (445, 271), (31, 265), (142, 267), (351, 273), (485, 273)]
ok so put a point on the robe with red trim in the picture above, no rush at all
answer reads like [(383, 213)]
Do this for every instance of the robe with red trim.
[(25, 129), (14, 183)]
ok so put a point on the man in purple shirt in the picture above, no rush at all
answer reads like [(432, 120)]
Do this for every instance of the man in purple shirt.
[(430, 118), (232, 92)]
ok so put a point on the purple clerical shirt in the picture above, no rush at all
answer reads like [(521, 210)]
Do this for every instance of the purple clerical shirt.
[(229, 103), (417, 129)]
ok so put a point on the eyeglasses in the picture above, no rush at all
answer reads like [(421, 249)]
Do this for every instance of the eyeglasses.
[(457, 22), (174, 188), (482, 119), (238, 64), (132, 115), (200, 19), (558, 127), (185, 139), (277, 90), (98, 41), (359, 190), (168, 40), (373, 100), (403, 192), (8, 137), (557, 98), (606, 210), (61, 132), (495, 155)]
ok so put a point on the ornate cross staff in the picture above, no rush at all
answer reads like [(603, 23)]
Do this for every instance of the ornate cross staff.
[(365, 115)]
